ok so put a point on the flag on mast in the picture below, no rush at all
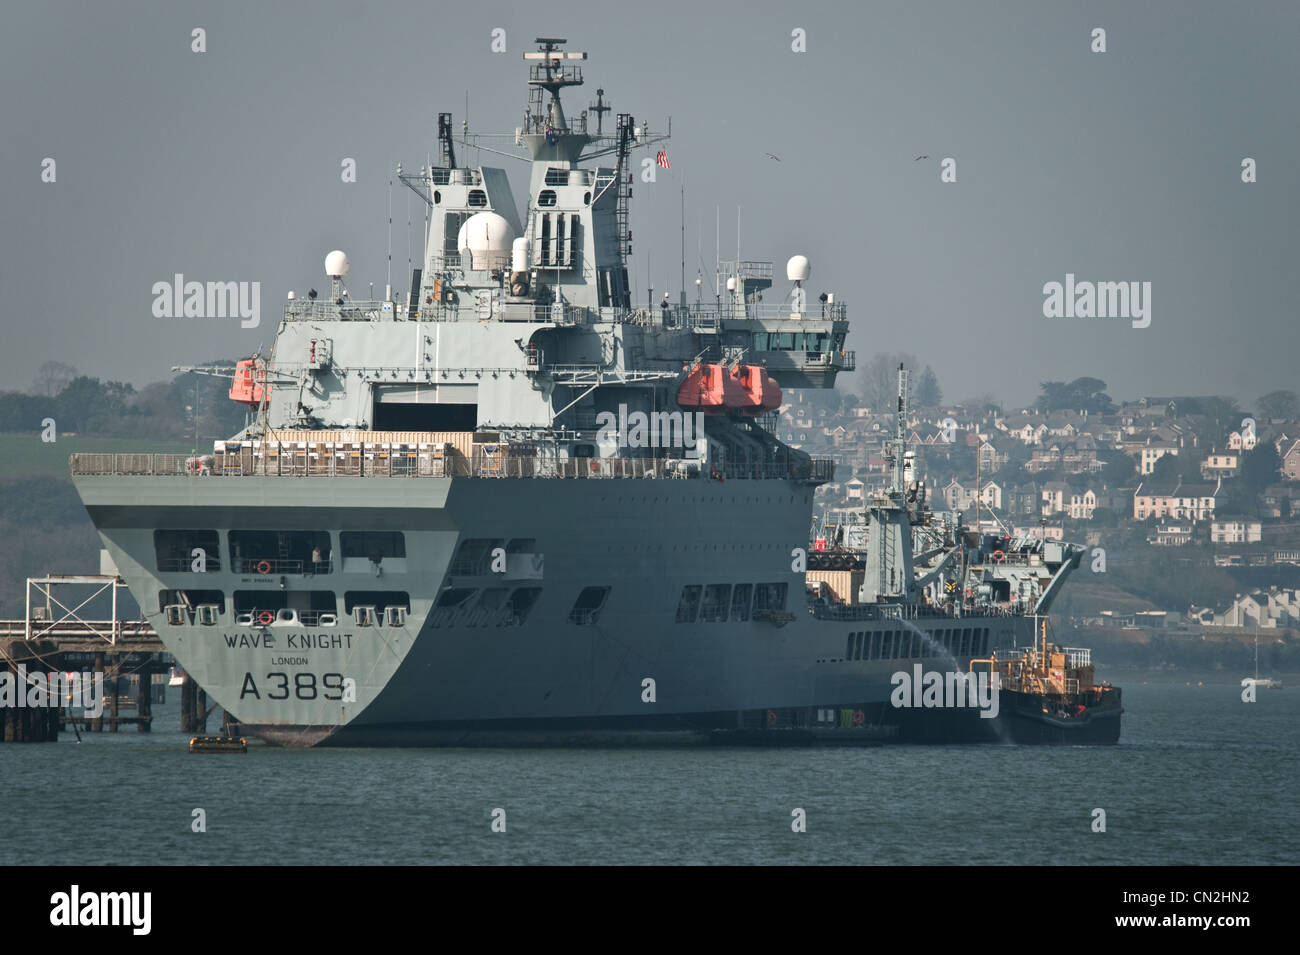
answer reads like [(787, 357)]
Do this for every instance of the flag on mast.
[(662, 159)]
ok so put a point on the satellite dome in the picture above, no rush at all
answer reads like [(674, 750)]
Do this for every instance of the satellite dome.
[(487, 238), (336, 264), (798, 269)]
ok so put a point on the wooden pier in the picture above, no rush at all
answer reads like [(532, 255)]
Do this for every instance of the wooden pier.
[(55, 638)]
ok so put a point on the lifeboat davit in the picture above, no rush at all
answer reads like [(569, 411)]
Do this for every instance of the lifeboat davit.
[(714, 388), (249, 386)]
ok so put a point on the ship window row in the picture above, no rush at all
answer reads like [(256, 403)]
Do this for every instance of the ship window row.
[(790, 341), (718, 603), (308, 608), (959, 642), (272, 551)]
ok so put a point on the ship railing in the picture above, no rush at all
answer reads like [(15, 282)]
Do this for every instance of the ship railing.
[(1076, 657), (280, 565), (483, 463), (133, 464), (708, 316), (350, 311), (554, 313), (948, 610), (186, 564)]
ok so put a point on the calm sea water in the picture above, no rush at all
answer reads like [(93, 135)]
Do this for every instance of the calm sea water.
[(1198, 778)]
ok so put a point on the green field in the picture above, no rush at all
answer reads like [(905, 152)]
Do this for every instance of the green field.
[(26, 455)]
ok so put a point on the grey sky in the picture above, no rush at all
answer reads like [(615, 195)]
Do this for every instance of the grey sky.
[(225, 166)]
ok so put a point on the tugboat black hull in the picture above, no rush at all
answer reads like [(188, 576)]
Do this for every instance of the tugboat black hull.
[(1023, 718)]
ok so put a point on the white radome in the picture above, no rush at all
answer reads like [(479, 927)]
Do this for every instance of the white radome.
[(488, 238), (336, 264), (798, 268)]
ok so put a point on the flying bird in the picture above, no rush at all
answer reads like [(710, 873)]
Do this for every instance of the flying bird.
[(919, 158), (773, 156)]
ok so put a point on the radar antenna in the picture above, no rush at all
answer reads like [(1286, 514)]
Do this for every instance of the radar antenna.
[(551, 75)]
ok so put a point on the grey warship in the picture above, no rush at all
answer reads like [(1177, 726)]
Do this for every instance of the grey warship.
[(510, 506)]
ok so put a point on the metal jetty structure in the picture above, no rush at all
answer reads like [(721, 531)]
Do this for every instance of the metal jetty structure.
[(56, 637)]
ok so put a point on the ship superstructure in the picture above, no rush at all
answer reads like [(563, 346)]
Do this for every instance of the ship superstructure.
[(511, 505)]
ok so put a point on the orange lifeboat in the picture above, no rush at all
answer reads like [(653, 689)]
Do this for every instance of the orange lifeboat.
[(715, 389), (249, 386), (704, 389), (762, 393)]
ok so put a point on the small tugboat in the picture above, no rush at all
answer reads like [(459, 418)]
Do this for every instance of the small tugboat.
[(1048, 694)]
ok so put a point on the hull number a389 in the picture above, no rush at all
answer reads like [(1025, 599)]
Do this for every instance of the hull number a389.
[(302, 686)]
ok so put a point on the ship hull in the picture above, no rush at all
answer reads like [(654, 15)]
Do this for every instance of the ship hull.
[(454, 671)]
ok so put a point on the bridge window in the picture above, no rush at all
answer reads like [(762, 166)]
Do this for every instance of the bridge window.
[(546, 198), (175, 551), (477, 198)]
